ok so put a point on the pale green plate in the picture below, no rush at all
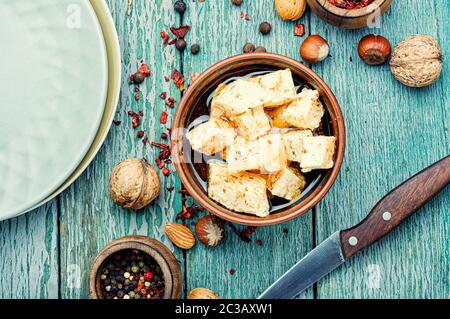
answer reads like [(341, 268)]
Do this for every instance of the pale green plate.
[(52, 96)]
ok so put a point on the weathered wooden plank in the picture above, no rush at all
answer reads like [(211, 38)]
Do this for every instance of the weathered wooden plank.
[(89, 219), (220, 32), (29, 247), (393, 132)]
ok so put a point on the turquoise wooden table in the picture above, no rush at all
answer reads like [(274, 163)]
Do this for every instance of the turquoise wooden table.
[(392, 131)]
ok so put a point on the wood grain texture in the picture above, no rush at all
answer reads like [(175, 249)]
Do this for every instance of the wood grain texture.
[(29, 247), (220, 32), (89, 219), (393, 132), (394, 208)]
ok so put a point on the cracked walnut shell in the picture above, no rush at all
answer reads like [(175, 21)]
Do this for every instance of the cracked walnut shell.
[(134, 183), (417, 61), (290, 9)]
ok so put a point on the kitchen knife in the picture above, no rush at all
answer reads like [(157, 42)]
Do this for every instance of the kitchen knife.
[(388, 213)]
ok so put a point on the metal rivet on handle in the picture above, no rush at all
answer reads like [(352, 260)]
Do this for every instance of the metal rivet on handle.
[(387, 216), (353, 241)]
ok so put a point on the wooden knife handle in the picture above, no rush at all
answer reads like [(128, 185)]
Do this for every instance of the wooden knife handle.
[(396, 206)]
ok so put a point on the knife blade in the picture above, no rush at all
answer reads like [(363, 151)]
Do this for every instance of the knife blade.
[(387, 214)]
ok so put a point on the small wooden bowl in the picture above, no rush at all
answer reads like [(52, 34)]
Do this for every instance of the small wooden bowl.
[(241, 65), (348, 18), (160, 253)]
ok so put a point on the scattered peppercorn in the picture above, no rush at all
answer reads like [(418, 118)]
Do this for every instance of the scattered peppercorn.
[(179, 6), (248, 48), (232, 271), (180, 44), (265, 28), (237, 2), (195, 48), (146, 282), (140, 134), (163, 95), (260, 49), (138, 78)]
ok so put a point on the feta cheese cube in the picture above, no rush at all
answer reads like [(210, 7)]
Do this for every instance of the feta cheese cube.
[(293, 144), (287, 183), (252, 124), (318, 153), (241, 192), (305, 112), (212, 136)]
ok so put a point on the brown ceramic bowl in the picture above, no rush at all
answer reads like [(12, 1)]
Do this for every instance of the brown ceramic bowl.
[(193, 105), (160, 253), (349, 18)]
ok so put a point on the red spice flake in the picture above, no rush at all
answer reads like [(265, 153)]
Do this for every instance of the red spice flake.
[(181, 31), (140, 134), (143, 69), (245, 16), (170, 104), (165, 151), (163, 95), (259, 242), (165, 37), (299, 30), (166, 78), (131, 113), (166, 171), (163, 117), (351, 4), (170, 189), (178, 79), (137, 97), (244, 234), (135, 120), (171, 99), (164, 136), (131, 78), (136, 89), (232, 271), (141, 113), (117, 122), (145, 140), (159, 163), (168, 161)]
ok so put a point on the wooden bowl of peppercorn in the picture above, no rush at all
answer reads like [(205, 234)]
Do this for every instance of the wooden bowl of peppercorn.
[(135, 267), (194, 108), (350, 14)]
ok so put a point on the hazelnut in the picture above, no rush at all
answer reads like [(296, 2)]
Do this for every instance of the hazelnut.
[(134, 183), (248, 48), (417, 61), (374, 49), (237, 2), (210, 231), (290, 9), (265, 28), (314, 49)]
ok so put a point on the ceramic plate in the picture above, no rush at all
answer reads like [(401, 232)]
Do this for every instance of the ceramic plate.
[(114, 81), (52, 95)]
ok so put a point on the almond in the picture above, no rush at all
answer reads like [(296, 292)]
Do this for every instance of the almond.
[(202, 293), (290, 9), (180, 235)]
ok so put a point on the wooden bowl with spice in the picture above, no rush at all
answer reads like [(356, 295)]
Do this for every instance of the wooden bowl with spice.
[(350, 14), (195, 106), (135, 267)]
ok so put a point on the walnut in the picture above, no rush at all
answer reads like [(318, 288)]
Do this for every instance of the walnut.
[(417, 61), (134, 183), (290, 9)]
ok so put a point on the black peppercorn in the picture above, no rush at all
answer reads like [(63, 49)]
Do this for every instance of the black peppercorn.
[(180, 44), (138, 78), (248, 48), (265, 28), (260, 49), (236, 2), (195, 48), (179, 6)]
